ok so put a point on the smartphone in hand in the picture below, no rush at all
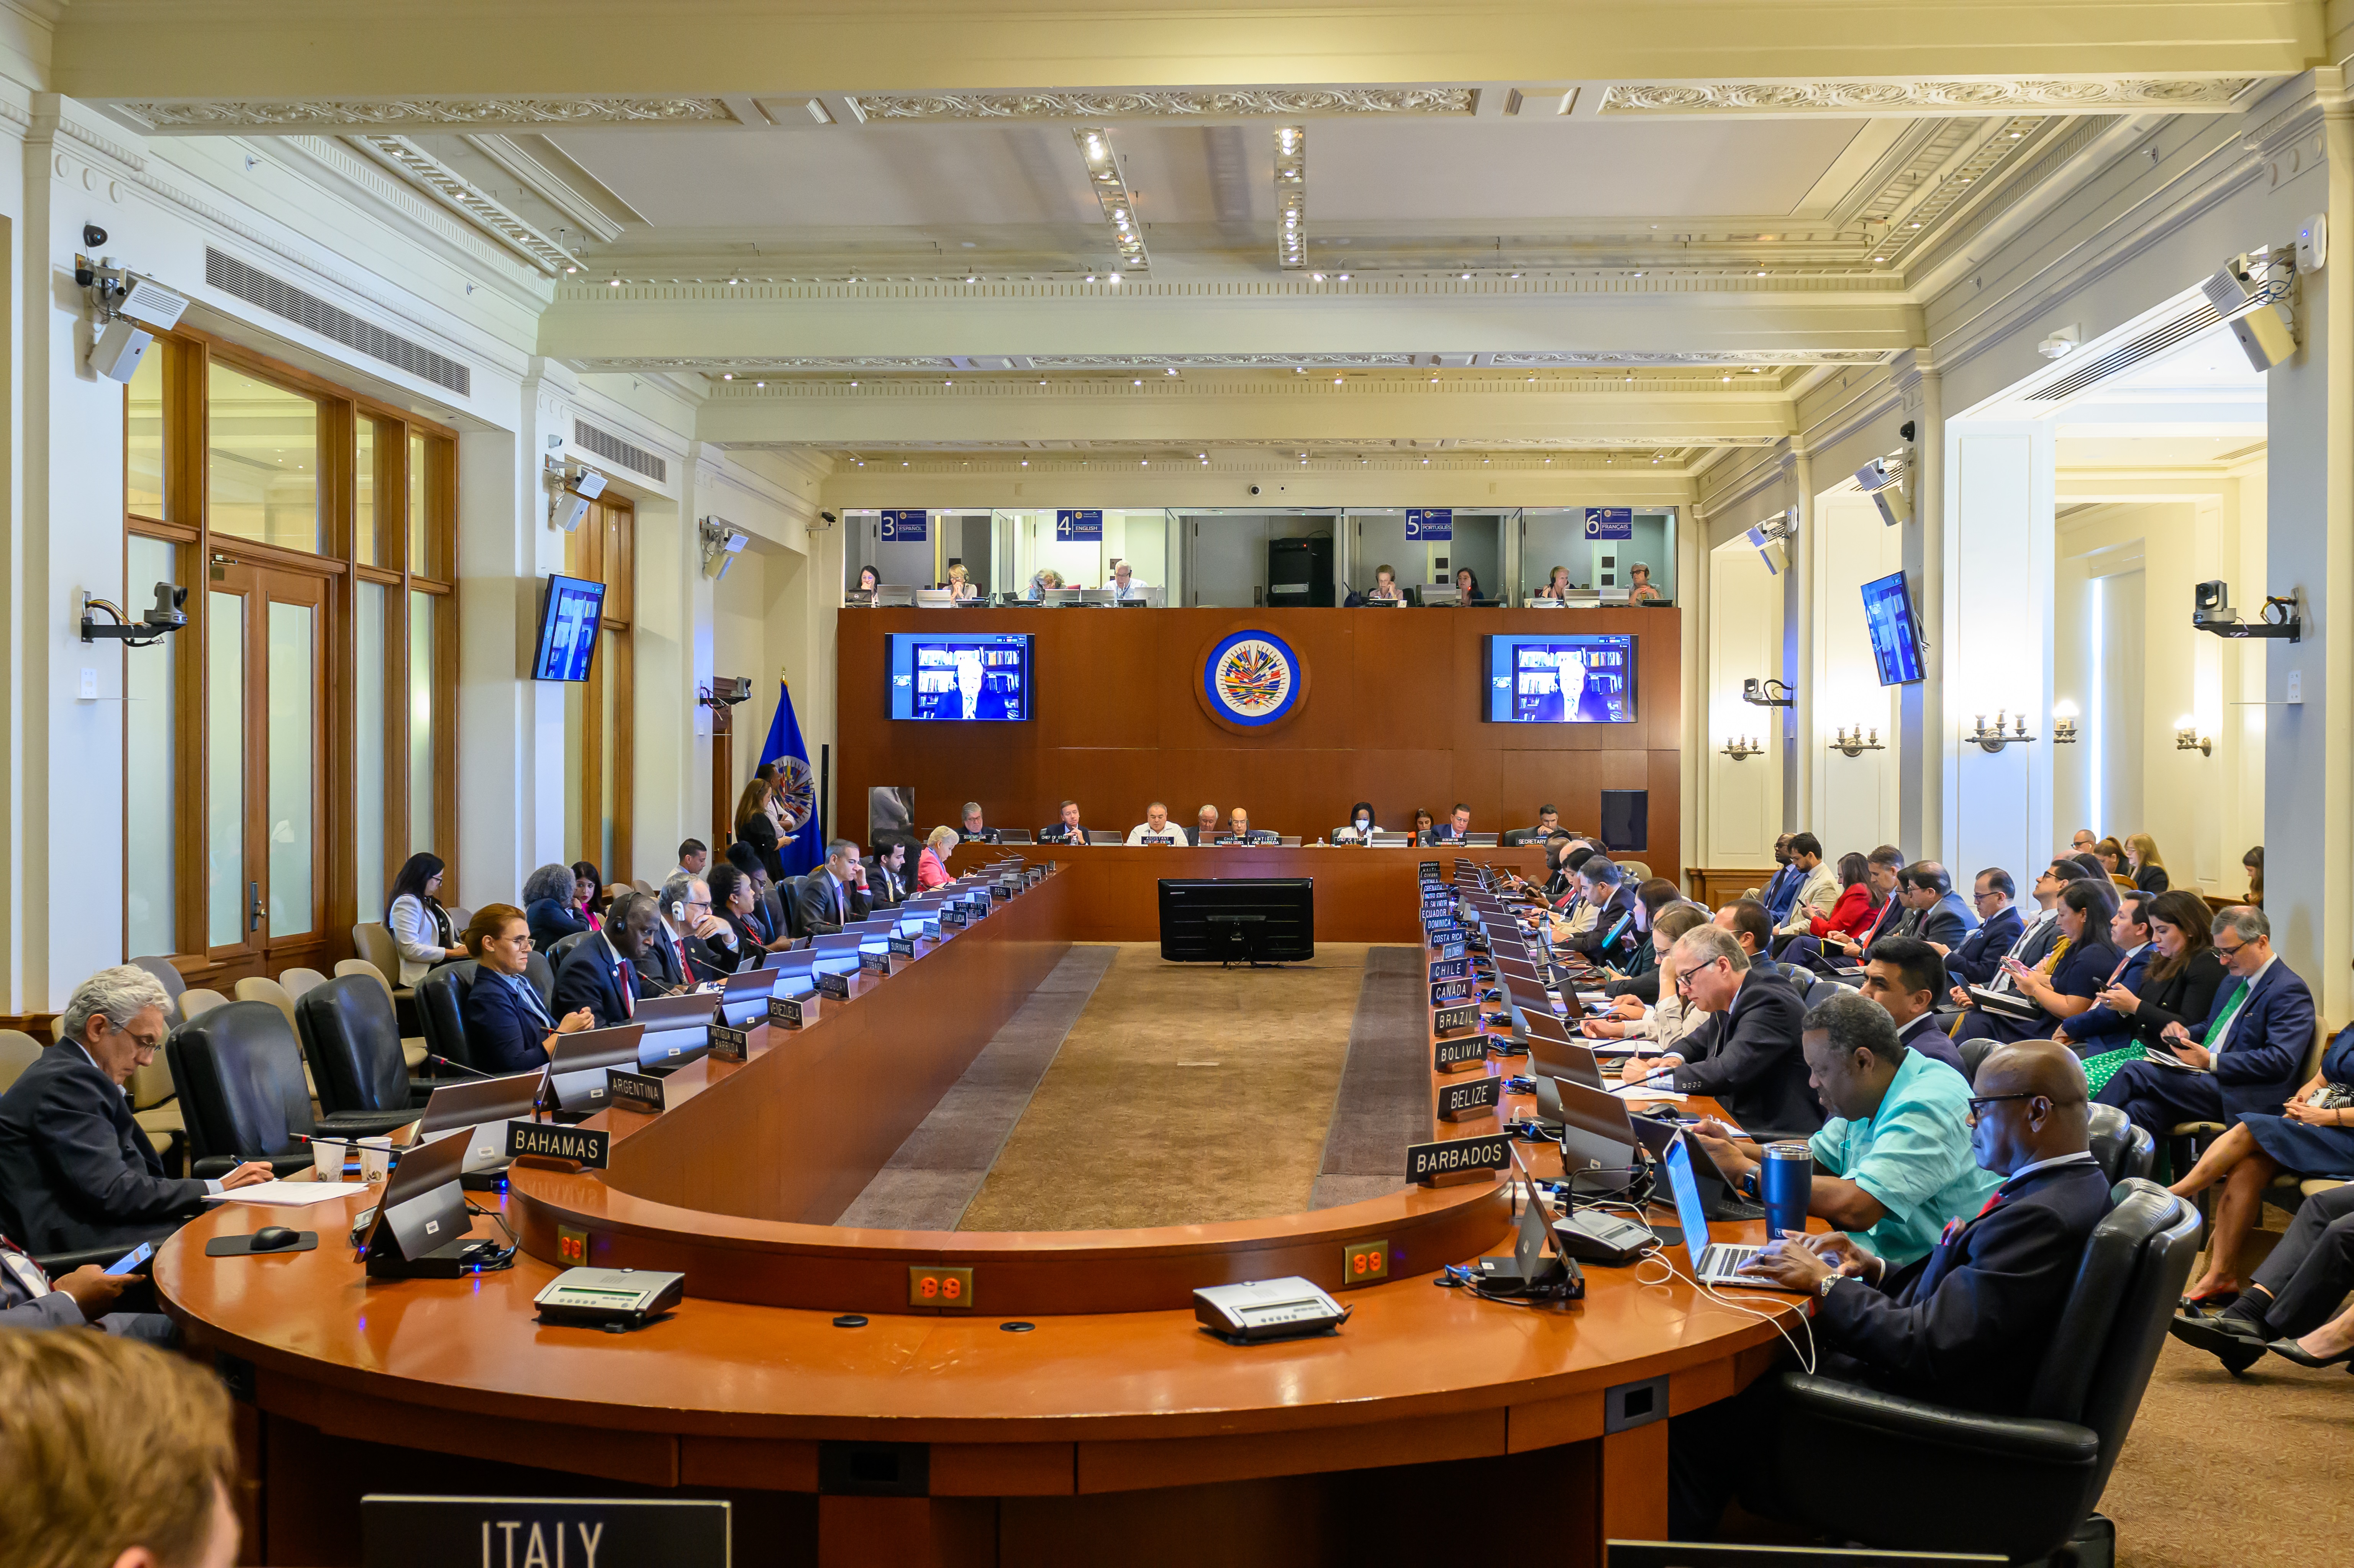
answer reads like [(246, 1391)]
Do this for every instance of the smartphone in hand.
[(131, 1259)]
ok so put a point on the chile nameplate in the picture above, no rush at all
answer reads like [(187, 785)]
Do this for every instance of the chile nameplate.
[(585, 1147), (1476, 1098), (1455, 1055), (1451, 969), (1454, 1159)]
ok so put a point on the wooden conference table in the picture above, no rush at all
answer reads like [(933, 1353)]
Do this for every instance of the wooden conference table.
[(1112, 1430)]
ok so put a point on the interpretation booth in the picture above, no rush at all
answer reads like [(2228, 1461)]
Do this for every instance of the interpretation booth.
[(864, 1395)]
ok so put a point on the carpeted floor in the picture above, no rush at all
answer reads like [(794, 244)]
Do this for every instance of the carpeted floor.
[(1216, 1086)]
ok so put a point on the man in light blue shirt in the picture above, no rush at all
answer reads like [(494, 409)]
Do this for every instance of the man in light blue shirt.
[(1894, 1162)]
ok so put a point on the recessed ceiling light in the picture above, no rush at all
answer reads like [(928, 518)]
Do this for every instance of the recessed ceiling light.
[(1467, 277), (854, 384), (1344, 277), (1112, 277), (1315, 277), (950, 383), (1173, 370), (572, 268), (613, 283), (1336, 381), (728, 376), (1638, 274), (733, 281), (1139, 381), (759, 384), (1761, 272), (1880, 258)]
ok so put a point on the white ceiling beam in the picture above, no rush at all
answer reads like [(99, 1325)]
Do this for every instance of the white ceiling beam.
[(1109, 183)]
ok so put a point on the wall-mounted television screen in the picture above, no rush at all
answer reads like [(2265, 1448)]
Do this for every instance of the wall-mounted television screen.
[(1584, 679), (1888, 616), (960, 676), (569, 619)]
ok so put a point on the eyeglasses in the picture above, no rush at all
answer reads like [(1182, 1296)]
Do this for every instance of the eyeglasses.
[(1982, 898), (145, 1044), (2230, 952)]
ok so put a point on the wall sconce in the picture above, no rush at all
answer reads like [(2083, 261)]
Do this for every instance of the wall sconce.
[(1740, 748), (2064, 724), (1853, 743), (1995, 739), (2188, 738), (1766, 694)]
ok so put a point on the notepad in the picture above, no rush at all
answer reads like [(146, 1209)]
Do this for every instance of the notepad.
[(289, 1193), (1645, 1092)]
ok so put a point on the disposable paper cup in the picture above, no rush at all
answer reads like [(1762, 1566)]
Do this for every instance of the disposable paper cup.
[(328, 1159), (375, 1159)]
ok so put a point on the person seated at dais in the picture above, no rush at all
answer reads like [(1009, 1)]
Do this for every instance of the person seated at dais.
[(508, 1028), (1156, 828), (1066, 828)]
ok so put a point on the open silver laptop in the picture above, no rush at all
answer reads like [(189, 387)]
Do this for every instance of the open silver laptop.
[(1712, 1263)]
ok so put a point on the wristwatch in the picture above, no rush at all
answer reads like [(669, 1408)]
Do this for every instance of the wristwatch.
[(1828, 1280)]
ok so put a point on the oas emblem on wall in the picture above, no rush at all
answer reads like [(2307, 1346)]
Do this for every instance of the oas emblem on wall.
[(1252, 679)]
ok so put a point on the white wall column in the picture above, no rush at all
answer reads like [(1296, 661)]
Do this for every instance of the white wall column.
[(1801, 747), (1924, 736)]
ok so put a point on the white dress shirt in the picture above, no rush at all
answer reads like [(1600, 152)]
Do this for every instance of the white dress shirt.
[(1166, 834)]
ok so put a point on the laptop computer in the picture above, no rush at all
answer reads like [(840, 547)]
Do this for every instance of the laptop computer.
[(1550, 1056), (576, 1073), (1535, 1264), (1597, 1136), (1712, 1263), (836, 953), (676, 1027), (1718, 1195), (744, 999), (480, 1109)]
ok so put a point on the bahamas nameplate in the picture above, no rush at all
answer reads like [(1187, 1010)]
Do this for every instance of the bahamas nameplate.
[(584, 1146), (1448, 1019), (1455, 1159), (636, 1090), (730, 1045), (1455, 1055), (1475, 1098), (792, 1012)]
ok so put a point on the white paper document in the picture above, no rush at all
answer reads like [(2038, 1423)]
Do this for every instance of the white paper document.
[(1645, 1092), (295, 1193)]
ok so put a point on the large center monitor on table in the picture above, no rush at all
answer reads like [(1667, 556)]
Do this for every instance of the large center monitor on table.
[(1238, 919)]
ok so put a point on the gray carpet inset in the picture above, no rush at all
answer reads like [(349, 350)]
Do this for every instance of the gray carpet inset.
[(1384, 1103), (932, 1178)]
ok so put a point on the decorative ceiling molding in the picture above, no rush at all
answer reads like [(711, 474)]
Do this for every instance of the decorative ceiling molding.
[(224, 116), (1170, 104), (1132, 363), (1291, 198), (1882, 98), (1220, 360), (1538, 359), (1110, 186), (1682, 441), (452, 189)]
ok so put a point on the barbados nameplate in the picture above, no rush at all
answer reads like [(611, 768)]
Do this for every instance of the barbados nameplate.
[(1453, 1159), (1454, 1055), (1477, 1098), (584, 1146)]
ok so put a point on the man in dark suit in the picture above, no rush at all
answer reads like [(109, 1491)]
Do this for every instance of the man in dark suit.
[(1980, 954), (2246, 1055), (1902, 976), (1943, 920), (75, 1170), (2296, 1290), (833, 895), (30, 1299), (1747, 1052), (1885, 867), (2101, 1027), (1964, 1326), (600, 972), (886, 872), (1457, 827), (1612, 937), (1066, 829)]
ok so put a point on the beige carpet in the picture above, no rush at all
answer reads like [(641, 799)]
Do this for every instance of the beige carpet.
[(1185, 1094)]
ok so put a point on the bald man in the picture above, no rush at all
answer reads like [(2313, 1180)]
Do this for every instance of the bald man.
[(1964, 1326)]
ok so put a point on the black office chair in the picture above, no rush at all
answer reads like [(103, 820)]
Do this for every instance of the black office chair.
[(1956, 1481), (1515, 838), (353, 1041), (239, 1074), (2123, 1149), (540, 969), (561, 945), (441, 1007)]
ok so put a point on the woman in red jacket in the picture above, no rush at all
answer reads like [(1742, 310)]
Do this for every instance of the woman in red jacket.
[(1852, 915)]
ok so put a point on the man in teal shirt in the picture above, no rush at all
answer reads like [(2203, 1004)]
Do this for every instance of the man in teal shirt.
[(1894, 1163)]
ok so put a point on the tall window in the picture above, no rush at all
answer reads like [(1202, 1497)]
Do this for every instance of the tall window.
[(598, 798), (284, 753)]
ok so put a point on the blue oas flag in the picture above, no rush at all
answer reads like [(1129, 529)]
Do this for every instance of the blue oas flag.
[(798, 786)]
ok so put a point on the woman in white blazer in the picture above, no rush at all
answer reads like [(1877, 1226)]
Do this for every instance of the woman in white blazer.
[(419, 926)]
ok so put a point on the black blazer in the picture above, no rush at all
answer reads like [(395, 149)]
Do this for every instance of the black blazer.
[(885, 886), (709, 960), (658, 971), (75, 1171), (1979, 958), (1966, 1325), (761, 834), (1597, 943), (590, 978), (1747, 1057), (815, 907), (2153, 879), (502, 1032), (2186, 997), (551, 922), (1058, 833)]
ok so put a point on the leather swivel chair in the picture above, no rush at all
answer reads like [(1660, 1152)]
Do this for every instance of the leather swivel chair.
[(561, 945), (239, 1074), (2122, 1149), (353, 1041), (540, 969), (1882, 1470), (441, 1007), (1514, 838)]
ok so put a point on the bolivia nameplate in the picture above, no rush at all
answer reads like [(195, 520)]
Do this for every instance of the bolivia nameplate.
[(1454, 1055), (1454, 1159), (585, 1147), (792, 1012), (1477, 1098), (731, 1045), (639, 1091)]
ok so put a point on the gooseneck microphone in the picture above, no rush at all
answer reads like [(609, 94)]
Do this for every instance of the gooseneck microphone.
[(461, 1067)]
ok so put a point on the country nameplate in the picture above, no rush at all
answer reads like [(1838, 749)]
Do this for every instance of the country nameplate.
[(1033, 875), (792, 1012), (585, 1147), (1454, 1159), (1454, 948), (932, 931), (836, 986), (903, 947), (1448, 1019), (1428, 869), (999, 893), (1446, 991), (953, 917), (1455, 1055), (637, 1091), (875, 963), (730, 1045), (1451, 969), (398, 1530), (1474, 1098)]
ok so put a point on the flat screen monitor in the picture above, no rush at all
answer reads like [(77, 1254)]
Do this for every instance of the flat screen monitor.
[(1238, 919), (1888, 616), (1581, 679), (569, 619), (961, 677)]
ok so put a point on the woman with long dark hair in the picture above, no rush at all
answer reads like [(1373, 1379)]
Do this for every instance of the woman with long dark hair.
[(1859, 903), (756, 824), (420, 925), (588, 886), (2179, 986)]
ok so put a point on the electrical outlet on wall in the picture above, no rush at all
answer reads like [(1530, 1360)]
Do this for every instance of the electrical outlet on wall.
[(2296, 686)]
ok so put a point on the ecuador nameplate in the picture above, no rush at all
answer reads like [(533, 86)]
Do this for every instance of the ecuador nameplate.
[(1463, 1015), (1477, 1098), (1444, 1163), (639, 1091), (792, 1012), (730, 1045), (583, 1146), (1454, 1055)]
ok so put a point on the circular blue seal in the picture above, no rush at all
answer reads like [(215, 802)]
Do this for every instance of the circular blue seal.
[(1252, 678)]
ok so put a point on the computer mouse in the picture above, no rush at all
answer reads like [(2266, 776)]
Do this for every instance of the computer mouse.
[(271, 1238)]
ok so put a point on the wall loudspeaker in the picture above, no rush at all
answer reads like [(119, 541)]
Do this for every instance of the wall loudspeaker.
[(118, 349)]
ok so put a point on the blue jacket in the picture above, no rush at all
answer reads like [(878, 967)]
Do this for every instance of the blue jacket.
[(2262, 1060), (1979, 959), (590, 978), (551, 922), (1782, 892), (502, 1035), (2103, 1024)]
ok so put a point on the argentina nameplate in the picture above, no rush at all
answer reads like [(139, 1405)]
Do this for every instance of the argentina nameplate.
[(639, 1091)]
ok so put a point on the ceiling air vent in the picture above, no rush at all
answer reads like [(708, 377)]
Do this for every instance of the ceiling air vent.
[(613, 448), (2155, 341), (256, 287)]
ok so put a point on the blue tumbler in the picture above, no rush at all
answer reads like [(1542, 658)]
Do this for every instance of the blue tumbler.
[(1785, 1181)]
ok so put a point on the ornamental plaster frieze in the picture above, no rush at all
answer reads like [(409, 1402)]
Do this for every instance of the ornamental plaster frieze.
[(1987, 96), (1532, 359), (971, 386), (1225, 103), (1629, 281), (453, 190), (216, 116)]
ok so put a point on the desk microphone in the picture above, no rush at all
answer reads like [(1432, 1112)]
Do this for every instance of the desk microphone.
[(461, 1067)]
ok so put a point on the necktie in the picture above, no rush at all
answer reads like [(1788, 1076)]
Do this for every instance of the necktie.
[(1956, 1227), (2231, 1013), (628, 989)]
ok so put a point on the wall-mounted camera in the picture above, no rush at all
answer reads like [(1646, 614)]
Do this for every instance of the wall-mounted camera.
[(165, 615), (1767, 694), (2251, 292), (570, 489), (123, 304), (2211, 610), (722, 543), (1884, 483), (726, 691)]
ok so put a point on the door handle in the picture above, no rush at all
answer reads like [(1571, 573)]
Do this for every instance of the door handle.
[(253, 918)]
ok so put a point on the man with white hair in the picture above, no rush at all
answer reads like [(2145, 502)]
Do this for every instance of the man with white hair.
[(76, 1172)]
